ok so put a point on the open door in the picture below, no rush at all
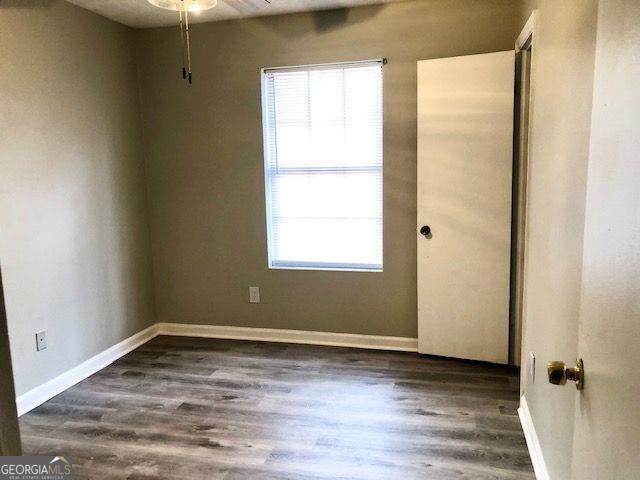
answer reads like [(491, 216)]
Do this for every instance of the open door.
[(465, 157), (606, 434)]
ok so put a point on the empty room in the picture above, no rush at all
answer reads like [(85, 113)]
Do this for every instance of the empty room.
[(320, 239)]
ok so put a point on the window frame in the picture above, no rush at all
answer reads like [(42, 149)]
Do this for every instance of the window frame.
[(298, 265)]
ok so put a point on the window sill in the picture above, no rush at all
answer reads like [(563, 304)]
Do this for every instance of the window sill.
[(327, 269)]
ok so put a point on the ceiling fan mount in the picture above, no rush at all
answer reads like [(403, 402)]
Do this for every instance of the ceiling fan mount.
[(181, 5)]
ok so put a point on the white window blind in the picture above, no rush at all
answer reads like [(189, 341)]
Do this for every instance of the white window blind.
[(323, 166)]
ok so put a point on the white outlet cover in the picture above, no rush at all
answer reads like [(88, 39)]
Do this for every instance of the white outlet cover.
[(254, 294), (41, 340)]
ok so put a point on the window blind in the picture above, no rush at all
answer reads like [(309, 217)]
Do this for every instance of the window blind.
[(323, 166)]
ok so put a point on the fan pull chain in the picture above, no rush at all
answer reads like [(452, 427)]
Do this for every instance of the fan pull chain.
[(182, 46), (186, 17)]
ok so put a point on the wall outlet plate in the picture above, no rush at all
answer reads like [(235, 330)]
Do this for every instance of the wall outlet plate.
[(254, 294), (41, 340)]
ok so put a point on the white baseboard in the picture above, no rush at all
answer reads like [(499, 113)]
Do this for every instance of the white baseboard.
[(533, 444), (403, 344), (37, 396)]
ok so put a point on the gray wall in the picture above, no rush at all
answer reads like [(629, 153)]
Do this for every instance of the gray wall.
[(562, 86), (205, 164), (74, 239)]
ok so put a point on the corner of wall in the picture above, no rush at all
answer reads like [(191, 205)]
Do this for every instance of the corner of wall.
[(144, 153)]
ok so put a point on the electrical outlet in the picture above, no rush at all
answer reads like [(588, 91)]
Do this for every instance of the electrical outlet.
[(41, 340), (254, 294), (532, 367)]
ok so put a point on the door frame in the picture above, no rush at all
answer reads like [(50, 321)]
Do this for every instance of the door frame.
[(522, 176), (9, 428)]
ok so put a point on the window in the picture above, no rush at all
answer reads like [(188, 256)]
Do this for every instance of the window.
[(323, 166)]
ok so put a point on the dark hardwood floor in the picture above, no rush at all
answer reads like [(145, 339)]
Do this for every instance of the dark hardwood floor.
[(194, 408)]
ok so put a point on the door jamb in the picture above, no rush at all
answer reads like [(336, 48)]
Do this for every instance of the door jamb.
[(524, 43), (525, 38)]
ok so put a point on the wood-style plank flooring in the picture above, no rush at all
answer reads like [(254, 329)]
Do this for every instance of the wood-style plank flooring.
[(179, 408)]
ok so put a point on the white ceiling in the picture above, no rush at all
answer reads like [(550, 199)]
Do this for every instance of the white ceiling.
[(140, 14)]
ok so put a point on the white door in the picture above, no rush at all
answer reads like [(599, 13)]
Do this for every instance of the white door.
[(606, 443), (465, 146)]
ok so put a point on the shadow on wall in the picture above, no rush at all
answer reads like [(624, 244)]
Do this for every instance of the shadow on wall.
[(328, 20)]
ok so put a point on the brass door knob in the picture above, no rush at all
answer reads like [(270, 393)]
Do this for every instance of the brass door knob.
[(559, 373)]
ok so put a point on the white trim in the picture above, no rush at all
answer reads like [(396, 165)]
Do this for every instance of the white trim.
[(533, 444), (403, 344), (37, 396), (526, 35), (306, 266)]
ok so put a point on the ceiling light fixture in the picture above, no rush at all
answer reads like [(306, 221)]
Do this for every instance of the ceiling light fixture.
[(184, 7)]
